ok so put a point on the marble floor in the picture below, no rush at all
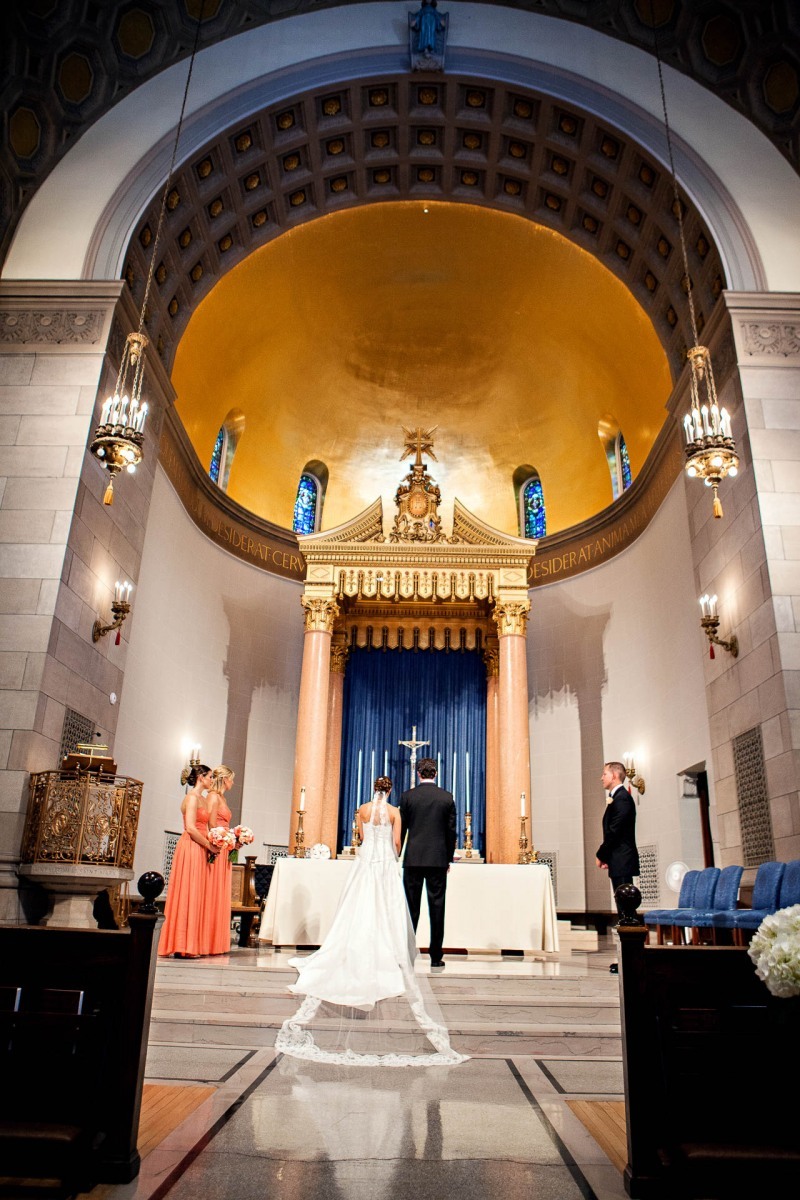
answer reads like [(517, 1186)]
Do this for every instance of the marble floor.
[(497, 1126)]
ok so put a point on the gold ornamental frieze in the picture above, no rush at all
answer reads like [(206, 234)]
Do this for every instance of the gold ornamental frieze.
[(406, 583)]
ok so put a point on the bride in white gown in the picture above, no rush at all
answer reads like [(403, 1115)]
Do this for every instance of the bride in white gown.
[(363, 1003)]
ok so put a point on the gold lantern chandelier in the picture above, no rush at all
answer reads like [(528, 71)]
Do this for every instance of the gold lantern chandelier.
[(119, 438), (710, 447)]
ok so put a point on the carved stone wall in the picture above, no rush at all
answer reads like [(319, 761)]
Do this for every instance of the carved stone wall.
[(62, 549), (751, 559)]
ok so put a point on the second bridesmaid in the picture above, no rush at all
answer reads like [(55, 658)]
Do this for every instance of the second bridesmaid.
[(217, 915)]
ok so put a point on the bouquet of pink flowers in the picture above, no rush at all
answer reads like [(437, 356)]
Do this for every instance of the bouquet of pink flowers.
[(224, 839), (243, 835)]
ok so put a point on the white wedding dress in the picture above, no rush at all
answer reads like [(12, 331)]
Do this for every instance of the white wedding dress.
[(363, 1003)]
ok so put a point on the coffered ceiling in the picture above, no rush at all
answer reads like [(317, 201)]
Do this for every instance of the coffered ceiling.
[(66, 62)]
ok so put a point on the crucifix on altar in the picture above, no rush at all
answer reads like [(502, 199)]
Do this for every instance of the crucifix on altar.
[(413, 745)]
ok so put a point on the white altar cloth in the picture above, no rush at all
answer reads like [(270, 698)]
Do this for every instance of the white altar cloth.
[(489, 907)]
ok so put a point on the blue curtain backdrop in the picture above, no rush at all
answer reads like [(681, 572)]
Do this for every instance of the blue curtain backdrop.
[(386, 693)]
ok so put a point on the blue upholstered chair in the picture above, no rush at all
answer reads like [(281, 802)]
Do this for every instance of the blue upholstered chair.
[(766, 896), (726, 894), (683, 918), (661, 918)]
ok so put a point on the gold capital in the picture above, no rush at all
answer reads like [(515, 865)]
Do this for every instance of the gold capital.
[(339, 656), (511, 617), (320, 614), (491, 658)]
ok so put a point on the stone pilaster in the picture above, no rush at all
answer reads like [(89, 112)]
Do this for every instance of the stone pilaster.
[(62, 550), (751, 560)]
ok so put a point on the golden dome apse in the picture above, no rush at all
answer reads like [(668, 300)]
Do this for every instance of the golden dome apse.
[(511, 339)]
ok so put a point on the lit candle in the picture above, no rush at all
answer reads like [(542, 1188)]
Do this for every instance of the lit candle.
[(706, 426), (687, 428), (132, 413), (698, 424), (439, 765), (386, 762), (106, 409), (522, 804), (454, 776), (117, 591), (140, 418), (372, 772), (712, 606), (302, 799), (715, 426), (466, 782), (725, 421), (123, 419), (358, 781)]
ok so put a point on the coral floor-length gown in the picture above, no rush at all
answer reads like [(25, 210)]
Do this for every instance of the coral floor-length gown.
[(217, 910), (185, 926)]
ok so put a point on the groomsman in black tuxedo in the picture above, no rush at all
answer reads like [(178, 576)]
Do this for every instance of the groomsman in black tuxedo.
[(617, 853), (428, 816)]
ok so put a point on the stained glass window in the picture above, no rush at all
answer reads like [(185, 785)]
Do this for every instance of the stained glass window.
[(217, 456), (624, 463), (535, 519), (305, 506)]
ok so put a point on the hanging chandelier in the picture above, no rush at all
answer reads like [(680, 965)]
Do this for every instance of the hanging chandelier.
[(119, 438), (710, 447)]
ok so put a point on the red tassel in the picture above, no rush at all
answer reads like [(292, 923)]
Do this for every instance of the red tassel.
[(710, 650), (119, 634)]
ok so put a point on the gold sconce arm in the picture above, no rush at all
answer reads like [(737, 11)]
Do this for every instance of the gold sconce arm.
[(711, 625), (120, 610), (636, 781)]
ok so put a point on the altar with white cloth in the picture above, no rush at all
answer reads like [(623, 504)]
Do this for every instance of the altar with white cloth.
[(490, 907)]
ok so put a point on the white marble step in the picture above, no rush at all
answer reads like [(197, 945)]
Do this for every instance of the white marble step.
[(509, 979), (472, 1037), (276, 1001)]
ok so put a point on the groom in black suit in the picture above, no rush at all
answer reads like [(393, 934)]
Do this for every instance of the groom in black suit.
[(617, 853), (428, 815)]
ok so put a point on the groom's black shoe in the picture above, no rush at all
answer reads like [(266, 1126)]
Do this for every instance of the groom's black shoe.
[(439, 963)]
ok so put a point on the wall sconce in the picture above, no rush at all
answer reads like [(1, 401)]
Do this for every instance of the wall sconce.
[(120, 608), (709, 619), (630, 771), (194, 761)]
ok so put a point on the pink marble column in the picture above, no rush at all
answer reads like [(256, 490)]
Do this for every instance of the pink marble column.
[(333, 755), (491, 657), (514, 735), (312, 719)]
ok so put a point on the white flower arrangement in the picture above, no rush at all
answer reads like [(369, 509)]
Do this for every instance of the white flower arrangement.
[(775, 950)]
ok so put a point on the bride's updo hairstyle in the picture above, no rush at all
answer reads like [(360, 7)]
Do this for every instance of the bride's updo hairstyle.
[(191, 776), (383, 784)]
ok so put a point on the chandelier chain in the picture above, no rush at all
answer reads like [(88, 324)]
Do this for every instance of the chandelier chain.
[(677, 200), (164, 197)]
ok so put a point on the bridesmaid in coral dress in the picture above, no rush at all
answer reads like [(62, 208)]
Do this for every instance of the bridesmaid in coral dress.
[(184, 932), (217, 909)]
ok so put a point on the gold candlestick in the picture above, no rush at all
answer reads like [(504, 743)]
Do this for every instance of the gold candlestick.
[(299, 837), (524, 852), (468, 835), (355, 839)]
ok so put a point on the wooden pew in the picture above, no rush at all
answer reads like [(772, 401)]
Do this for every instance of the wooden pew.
[(709, 1059), (74, 1022), (244, 901)]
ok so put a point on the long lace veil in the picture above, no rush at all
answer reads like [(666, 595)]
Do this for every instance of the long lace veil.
[(370, 951)]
